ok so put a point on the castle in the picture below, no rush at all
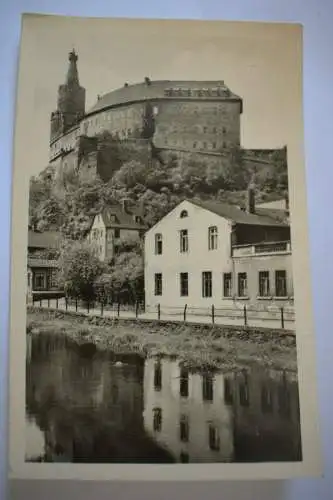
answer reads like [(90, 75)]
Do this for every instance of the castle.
[(161, 119)]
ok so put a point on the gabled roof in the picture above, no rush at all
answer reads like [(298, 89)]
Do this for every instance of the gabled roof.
[(47, 239), (115, 217), (261, 217), (156, 90)]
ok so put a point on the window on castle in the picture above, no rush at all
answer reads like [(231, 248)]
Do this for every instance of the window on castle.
[(194, 145), (214, 145), (204, 130), (224, 130), (205, 145), (117, 233), (207, 387)]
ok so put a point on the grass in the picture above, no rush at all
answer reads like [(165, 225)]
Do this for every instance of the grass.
[(205, 347)]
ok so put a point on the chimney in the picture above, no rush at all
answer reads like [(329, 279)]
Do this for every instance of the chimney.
[(251, 202)]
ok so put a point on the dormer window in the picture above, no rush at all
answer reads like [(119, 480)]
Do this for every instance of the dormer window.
[(183, 214)]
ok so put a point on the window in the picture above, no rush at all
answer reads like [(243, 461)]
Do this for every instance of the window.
[(228, 393), (183, 284), (184, 429), (214, 438), (184, 241), (183, 214), (158, 376), (184, 457), (224, 130), (194, 145), (205, 145), (227, 284), (158, 284), (214, 145), (205, 130), (263, 283), (281, 283), (207, 387), (29, 280), (183, 383), (244, 397), (53, 278), (212, 238), (40, 281), (158, 244), (242, 285), (266, 399), (157, 419), (207, 284), (117, 233)]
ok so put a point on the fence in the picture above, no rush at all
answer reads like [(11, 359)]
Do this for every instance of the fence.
[(273, 317)]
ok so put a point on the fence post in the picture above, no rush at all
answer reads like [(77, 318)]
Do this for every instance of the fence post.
[(159, 311), (282, 318), (185, 308), (40, 302), (118, 311), (245, 316), (102, 307), (88, 306), (213, 314), (76, 305), (136, 308), (66, 302), (57, 303)]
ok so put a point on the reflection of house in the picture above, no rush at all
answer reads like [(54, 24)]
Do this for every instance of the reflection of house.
[(114, 225), (42, 262), (186, 413), (266, 415), (207, 253)]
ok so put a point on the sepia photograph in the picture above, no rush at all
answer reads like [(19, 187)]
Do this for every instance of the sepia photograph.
[(155, 244)]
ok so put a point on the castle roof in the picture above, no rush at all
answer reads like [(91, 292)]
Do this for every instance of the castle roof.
[(168, 89)]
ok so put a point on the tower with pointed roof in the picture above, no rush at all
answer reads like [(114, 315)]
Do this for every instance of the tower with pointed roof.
[(71, 100)]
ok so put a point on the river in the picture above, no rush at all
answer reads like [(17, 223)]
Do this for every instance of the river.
[(92, 407)]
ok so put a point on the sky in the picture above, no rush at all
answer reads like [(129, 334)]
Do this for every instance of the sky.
[(260, 62)]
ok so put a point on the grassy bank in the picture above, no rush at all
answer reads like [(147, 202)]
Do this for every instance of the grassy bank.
[(198, 346)]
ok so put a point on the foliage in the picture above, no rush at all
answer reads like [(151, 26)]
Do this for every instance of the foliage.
[(78, 269)]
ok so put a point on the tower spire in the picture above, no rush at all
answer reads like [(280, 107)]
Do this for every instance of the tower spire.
[(72, 73)]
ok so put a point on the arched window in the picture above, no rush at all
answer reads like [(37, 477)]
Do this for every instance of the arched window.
[(183, 214)]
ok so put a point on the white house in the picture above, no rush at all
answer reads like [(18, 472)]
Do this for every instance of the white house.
[(113, 225), (208, 253)]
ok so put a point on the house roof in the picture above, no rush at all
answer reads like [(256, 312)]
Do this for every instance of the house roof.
[(261, 217), (47, 239), (115, 217), (156, 89)]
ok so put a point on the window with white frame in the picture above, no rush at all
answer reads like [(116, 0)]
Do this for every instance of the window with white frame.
[(280, 283), (227, 284), (158, 284), (184, 284), (212, 237), (207, 284), (264, 287), (242, 285)]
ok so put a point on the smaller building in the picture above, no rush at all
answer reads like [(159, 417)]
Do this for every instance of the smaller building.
[(114, 226), (42, 263)]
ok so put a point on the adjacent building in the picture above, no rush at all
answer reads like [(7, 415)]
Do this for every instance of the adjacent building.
[(113, 226), (42, 263), (208, 253)]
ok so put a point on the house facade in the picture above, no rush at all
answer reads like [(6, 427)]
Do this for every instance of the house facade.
[(204, 253), (42, 263), (112, 227)]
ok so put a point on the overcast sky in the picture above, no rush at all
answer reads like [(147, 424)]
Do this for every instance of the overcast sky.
[(259, 62)]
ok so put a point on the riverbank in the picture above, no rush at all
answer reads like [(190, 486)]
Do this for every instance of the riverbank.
[(197, 345)]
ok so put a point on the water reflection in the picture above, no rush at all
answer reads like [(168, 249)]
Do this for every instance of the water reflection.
[(83, 406)]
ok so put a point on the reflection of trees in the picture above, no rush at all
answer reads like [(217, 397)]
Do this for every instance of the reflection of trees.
[(90, 410)]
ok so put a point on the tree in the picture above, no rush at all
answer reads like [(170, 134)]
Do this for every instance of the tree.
[(78, 269), (130, 174)]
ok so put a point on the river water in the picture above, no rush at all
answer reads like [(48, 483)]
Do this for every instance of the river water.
[(92, 407)]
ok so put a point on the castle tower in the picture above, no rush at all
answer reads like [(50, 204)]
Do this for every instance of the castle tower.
[(71, 100)]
